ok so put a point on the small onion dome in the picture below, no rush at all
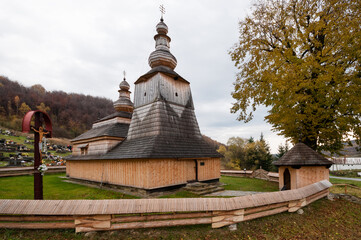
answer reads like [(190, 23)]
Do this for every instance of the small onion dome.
[(161, 27), (124, 104), (162, 55), (124, 85)]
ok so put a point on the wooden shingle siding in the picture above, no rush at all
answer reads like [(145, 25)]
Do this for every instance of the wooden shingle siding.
[(163, 118), (162, 86)]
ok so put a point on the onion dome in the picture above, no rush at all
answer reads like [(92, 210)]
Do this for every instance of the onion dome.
[(123, 104), (162, 56)]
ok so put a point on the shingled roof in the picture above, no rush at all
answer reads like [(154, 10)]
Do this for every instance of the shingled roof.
[(116, 114), (112, 130), (153, 147), (302, 155)]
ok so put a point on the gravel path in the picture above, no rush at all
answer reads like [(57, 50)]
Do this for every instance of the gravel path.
[(346, 178)]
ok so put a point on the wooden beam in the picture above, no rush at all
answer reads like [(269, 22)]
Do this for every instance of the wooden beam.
[(12, 218), (263, 208), (160, 217), (45, 225), (265, 213)]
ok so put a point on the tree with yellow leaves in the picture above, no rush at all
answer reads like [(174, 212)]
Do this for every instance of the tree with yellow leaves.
[(302, 60)]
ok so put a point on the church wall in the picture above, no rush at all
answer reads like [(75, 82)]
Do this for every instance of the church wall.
[(95, 147), (112, 121), (210, 169), (147, 91), (122, 172), (147, 174)]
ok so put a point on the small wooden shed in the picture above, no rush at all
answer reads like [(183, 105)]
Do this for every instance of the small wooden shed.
[(301, 166)]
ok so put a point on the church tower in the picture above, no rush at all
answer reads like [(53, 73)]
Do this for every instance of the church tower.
[(163, 147)]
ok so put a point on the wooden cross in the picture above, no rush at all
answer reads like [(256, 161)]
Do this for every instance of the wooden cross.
[(162, 10)]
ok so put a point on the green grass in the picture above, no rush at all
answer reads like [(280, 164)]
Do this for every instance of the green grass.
[(248, 184), (22, 187), (341, 181), (3, 163)]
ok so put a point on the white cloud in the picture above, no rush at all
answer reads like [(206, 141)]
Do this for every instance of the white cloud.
[(83, 46)]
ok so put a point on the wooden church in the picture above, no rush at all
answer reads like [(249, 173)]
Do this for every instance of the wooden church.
[(153, 144)]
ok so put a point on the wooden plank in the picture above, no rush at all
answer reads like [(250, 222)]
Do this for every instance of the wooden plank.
[(160, 217), (265, 213), (12, 218), (163, 223), (263, 208), (53, 225)]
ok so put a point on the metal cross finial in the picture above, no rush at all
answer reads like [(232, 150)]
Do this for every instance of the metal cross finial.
[(162, 10), (124, 73)]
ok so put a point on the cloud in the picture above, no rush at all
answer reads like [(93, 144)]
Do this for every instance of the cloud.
[(83, 46)]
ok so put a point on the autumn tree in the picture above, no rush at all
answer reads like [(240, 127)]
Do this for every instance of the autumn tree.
[(241, 153), (17, 102), (302, 60), (43, 107), (24, 108)]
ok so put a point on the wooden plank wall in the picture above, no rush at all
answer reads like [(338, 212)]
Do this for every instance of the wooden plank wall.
[(105, 215), (96, 147), (304, 176), (147, 174), (210, 170)]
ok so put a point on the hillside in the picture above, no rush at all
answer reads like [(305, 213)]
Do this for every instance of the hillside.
[(71, 113)]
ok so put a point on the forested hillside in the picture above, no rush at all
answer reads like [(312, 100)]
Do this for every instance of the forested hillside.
[(71, 113)]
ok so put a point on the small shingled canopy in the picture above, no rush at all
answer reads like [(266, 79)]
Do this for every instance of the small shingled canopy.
[(302, 155)]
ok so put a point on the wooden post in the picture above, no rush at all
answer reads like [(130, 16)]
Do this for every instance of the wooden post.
[(38, 178)]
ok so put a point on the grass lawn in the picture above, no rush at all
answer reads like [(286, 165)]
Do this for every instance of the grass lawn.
[(249, 184), (22, 187)]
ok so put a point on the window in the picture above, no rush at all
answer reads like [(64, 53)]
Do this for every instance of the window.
[(201, 163), (83, 149)]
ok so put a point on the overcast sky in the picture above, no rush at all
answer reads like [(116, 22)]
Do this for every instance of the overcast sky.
[(83, 46)]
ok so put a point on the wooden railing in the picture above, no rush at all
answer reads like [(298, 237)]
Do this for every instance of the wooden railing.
[(19, 171), (103, 215)]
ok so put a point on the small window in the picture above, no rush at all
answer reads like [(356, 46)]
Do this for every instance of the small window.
[(202, 164), (84, 151), (176, 94), (145, 94)]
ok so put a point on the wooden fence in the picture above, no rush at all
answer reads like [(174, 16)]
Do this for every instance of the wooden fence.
[(19, 171), (259, 173), (103, 215)]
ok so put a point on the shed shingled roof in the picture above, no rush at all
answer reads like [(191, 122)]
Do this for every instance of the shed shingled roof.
[(157, 147), (112, 130), (302, 155)]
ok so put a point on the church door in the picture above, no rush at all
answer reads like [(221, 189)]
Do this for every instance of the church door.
[(286, 180)]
